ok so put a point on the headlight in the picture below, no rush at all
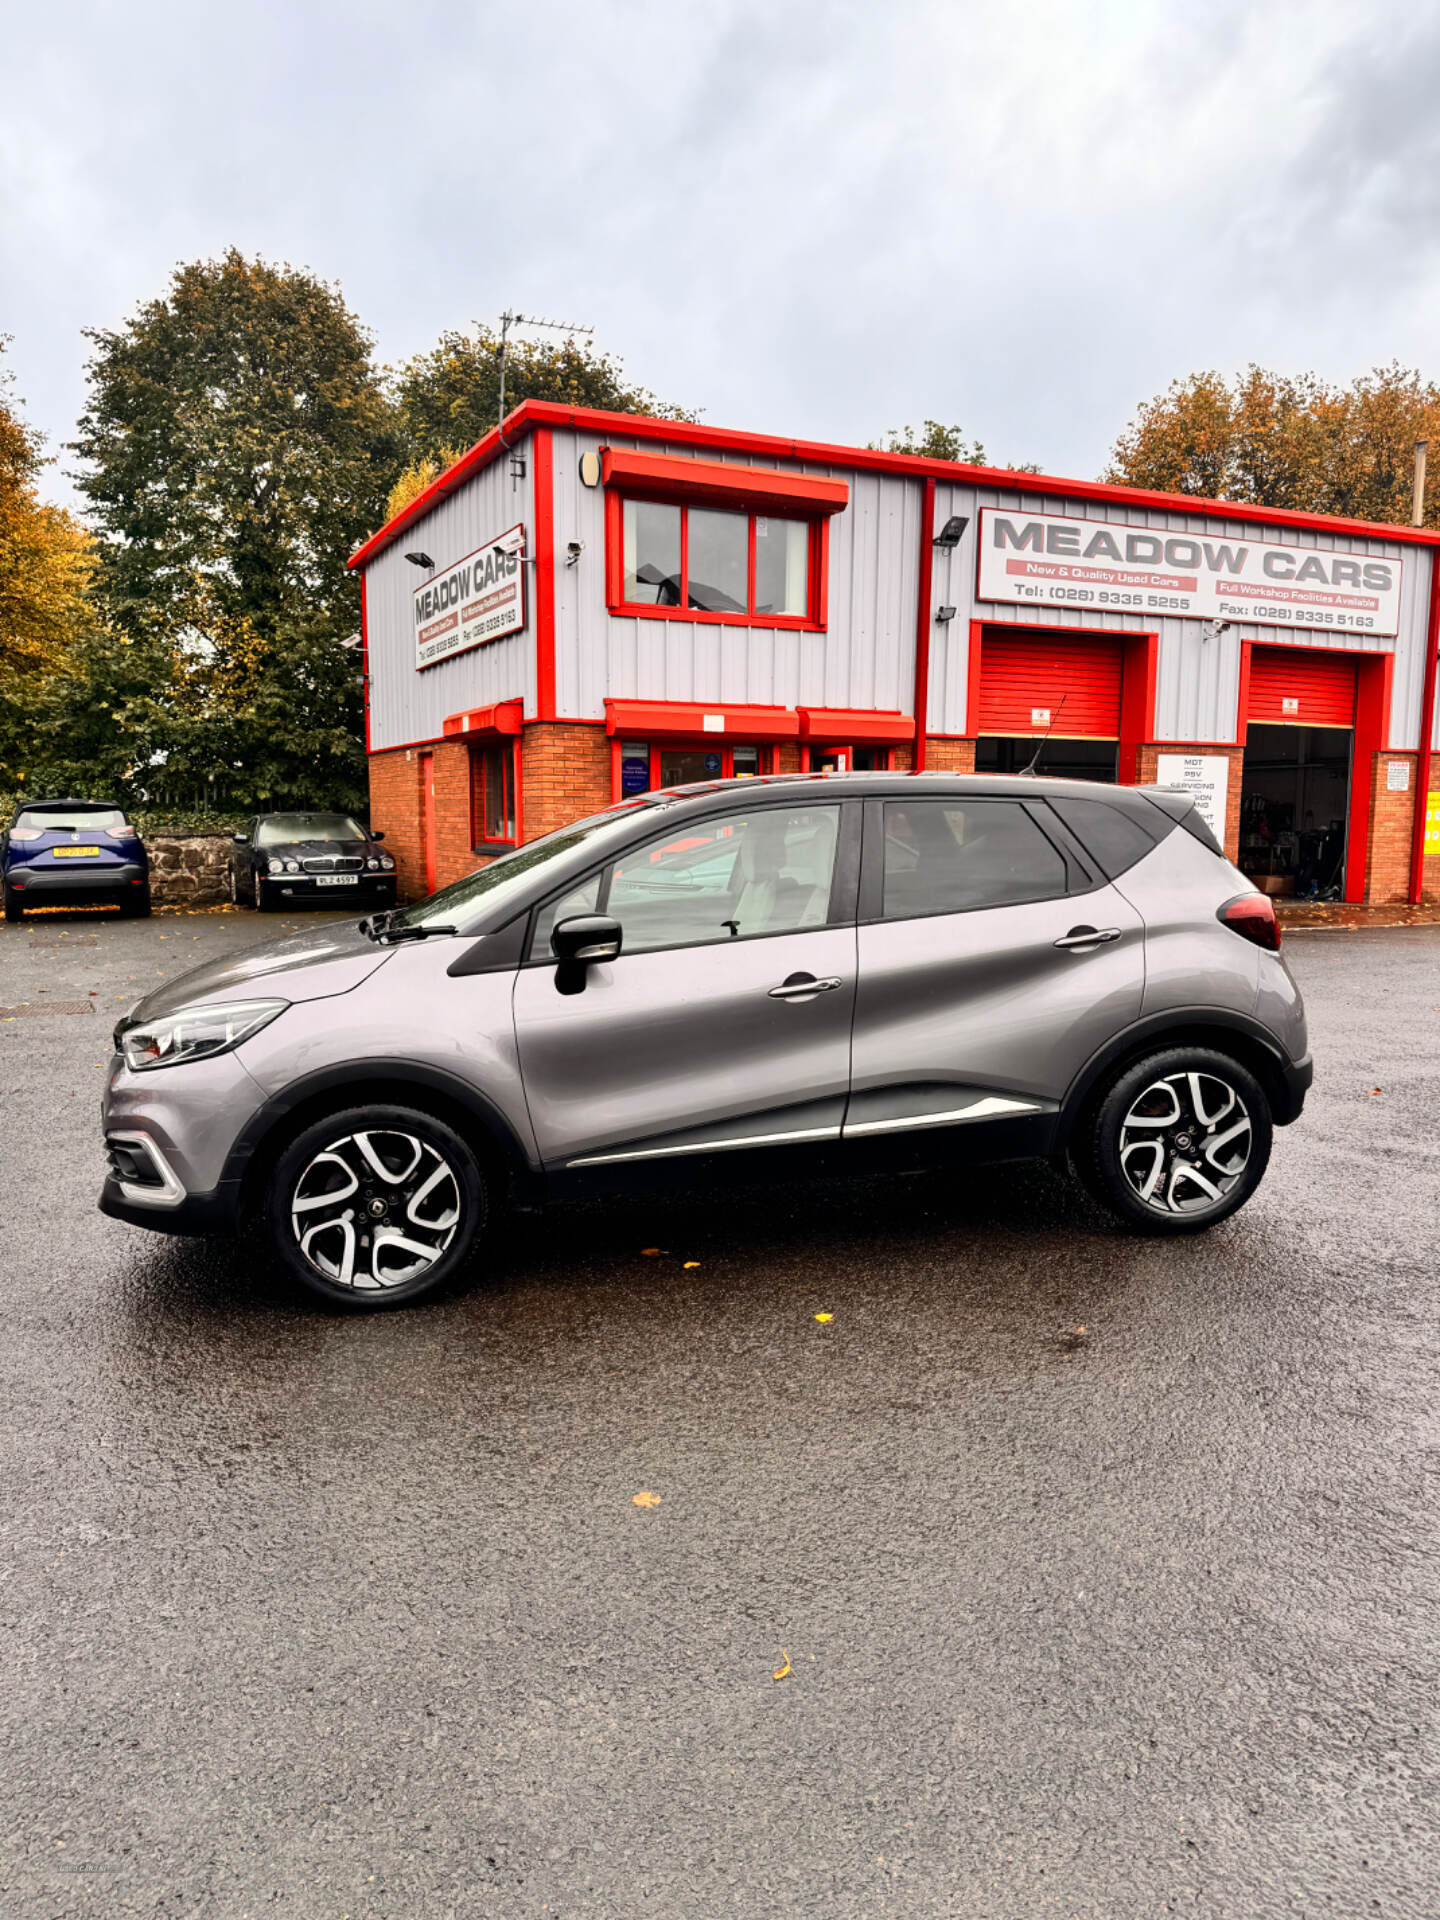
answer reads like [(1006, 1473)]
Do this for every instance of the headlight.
[(387, 865), (194, 1034), (292, 866), (274, 866), (373, 866)]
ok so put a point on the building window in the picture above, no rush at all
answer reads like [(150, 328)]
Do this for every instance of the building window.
[(846, 759), (719, 563), (492, 796), (642, 766)]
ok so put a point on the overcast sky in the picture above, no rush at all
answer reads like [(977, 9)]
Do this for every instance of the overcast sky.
[(819, 219)]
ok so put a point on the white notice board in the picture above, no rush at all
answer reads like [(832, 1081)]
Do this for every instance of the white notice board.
[(1207, 776)]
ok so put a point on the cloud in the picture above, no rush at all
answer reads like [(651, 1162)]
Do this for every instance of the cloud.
[(824, 219)]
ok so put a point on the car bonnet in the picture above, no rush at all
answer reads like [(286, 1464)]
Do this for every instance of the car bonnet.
[(302, 966)]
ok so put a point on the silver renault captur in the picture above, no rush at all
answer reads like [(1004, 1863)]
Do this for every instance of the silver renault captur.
[(800, 973)]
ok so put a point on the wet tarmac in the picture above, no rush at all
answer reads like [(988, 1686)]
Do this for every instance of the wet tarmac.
[(1106, 1572)]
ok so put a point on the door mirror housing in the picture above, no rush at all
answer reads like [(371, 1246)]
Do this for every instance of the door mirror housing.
[(586, 938), (377, 836)]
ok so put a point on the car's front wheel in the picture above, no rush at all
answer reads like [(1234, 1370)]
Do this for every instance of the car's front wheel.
[(375, 1206), (1178, 1141)]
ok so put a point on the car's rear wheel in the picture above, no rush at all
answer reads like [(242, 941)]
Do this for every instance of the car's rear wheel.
[(375, 1206), (14, 905), (135, 906), (1178, 1141)]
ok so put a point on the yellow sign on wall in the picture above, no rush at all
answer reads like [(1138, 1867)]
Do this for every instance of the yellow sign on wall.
[(1432, 824)]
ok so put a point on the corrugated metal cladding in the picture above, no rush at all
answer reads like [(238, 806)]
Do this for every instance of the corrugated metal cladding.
[(406, 706), (1198, 678), (865, 658)]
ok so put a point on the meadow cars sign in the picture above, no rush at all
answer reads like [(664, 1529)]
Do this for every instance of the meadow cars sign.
[(481, 598), (1101, 566)]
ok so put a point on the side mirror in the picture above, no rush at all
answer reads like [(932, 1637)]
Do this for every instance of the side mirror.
[(377, 836), (586, 938), (241, 839)]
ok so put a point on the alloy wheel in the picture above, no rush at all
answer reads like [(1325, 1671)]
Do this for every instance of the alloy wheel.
[(375, 1209), (1184, 1142)]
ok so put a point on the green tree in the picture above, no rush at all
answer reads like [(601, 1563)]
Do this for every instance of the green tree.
[(934, 442), (237, 443), (1280, 440), (449, 397)]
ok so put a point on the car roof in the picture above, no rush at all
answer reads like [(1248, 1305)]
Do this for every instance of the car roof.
[(875, 786), (90, 806)]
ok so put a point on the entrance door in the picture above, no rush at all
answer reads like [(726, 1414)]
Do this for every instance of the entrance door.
[(981, 991), (427, 817), (1066, 686), (725, 1022), (1296, 775)]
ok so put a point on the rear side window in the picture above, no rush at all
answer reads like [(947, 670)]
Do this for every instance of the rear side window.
[(1113, 838), (950, 856)]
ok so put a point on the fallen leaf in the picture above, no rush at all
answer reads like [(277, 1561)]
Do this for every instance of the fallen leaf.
[(1377, 1089), (782, 1672), (650, 1252), (824, 1318), (692, 1263), (645, 1499)]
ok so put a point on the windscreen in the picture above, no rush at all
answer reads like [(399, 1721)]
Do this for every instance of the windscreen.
[(284, 829), (70, 819)]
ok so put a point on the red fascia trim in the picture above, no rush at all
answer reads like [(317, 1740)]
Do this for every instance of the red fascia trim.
[(922, 624), (842, 725), (676, 717), (543, 472), (505, 717), (752, 487), (365, 662), (1139, 674), (1427, 737)]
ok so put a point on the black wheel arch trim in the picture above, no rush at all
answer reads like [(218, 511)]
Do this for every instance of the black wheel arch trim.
[(1286, 1081), (383, 1081)]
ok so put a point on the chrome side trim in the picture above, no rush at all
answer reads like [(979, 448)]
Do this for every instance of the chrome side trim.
[(708, 1146), (169, 1194), (986, 1109)]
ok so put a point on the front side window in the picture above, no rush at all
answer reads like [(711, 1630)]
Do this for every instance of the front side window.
[(735, 878), (716, 561), (944, 856)]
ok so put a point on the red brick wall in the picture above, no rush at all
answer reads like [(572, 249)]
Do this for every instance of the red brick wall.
[(1149, 773), (949, 756), (454, 855), (564, 774), (395, 811), (1390, 820)]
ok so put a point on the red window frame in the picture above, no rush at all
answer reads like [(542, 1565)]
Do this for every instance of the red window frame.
[(504, 750), (812, 621), (702, 743), (810, 749)]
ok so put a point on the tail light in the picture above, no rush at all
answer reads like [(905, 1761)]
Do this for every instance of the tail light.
[(27, 833), (1252, 916), (123, 833)]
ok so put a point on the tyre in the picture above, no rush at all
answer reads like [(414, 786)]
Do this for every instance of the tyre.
[(14, 906), (135, 906), (1178, 1141), (375, 1206), (265, 901)]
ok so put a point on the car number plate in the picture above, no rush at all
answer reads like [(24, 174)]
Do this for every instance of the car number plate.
[(337, 879), (73, 853)]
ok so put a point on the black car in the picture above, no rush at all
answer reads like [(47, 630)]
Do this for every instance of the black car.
[(73, 853), (326, 859)]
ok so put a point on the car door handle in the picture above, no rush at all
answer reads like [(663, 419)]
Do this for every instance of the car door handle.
[(804, 986), (1082, 939)]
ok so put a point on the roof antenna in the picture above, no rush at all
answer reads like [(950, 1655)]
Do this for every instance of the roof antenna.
[(508, 320), (1044, 738)]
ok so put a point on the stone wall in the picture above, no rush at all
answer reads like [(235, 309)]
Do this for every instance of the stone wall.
[(189, 869)]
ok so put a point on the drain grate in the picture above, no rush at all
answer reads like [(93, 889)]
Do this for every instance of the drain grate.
[(47, 1006)]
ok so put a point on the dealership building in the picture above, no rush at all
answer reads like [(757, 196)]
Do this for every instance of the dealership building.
[(591, 605)]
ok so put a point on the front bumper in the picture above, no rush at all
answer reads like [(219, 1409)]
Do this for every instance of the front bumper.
[(72, 882), (198, 1213), (373, 889)]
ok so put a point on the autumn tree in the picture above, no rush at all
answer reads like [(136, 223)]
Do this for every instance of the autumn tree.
[(935, 441), (237, 443), (45, 568), (449, 398), (1280, 440)]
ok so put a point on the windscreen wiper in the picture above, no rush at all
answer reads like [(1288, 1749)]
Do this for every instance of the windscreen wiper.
[(388, 933)]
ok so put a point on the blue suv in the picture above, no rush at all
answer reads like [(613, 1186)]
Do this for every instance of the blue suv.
[(73, 853)]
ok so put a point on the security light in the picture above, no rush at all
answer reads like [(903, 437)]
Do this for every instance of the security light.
[(950, 534), (945, 613), (419, 559)]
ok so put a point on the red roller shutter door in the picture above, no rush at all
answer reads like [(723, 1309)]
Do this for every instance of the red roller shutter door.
[(1022, 673), (1301, 687)]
